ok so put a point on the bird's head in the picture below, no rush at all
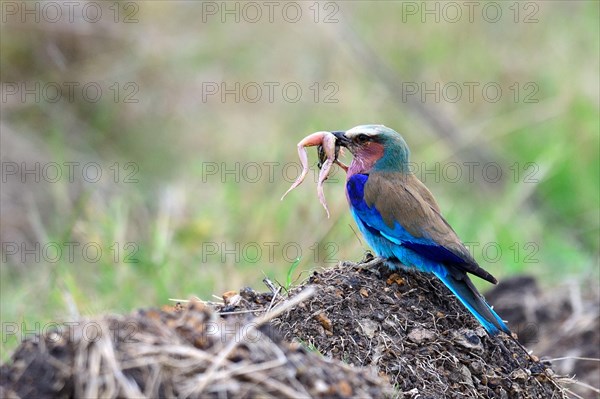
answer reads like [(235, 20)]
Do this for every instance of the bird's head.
[(375, 147)]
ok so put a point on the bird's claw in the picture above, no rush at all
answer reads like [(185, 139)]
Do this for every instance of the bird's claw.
[(328, 150), (371, 262)]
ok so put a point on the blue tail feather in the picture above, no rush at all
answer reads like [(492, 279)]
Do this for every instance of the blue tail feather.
[(467, 294)]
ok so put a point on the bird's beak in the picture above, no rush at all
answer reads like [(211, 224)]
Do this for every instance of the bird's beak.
[(342, 140)]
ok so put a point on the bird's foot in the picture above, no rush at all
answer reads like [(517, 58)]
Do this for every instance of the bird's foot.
[(369, 262), (372, 263)]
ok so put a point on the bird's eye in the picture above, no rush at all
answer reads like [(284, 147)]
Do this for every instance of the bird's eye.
[(362, 138)]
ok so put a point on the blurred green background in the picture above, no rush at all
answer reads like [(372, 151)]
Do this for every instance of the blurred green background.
[(192, 171)]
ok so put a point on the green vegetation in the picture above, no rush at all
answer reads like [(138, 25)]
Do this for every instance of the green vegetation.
[(189, 198)]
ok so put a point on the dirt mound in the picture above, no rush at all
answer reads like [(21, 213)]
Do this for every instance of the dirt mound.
[(415, 332), (190, 352), (405, 326)]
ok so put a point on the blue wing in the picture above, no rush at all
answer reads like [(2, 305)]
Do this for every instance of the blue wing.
[(375, 225)]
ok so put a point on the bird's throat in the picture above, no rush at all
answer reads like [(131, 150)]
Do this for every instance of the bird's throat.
[(365, 159)]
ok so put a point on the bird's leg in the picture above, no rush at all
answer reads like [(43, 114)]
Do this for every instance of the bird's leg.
[(369, 262), (375, 261)]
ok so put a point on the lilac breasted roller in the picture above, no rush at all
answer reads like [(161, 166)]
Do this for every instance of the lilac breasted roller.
[(402, 222)]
